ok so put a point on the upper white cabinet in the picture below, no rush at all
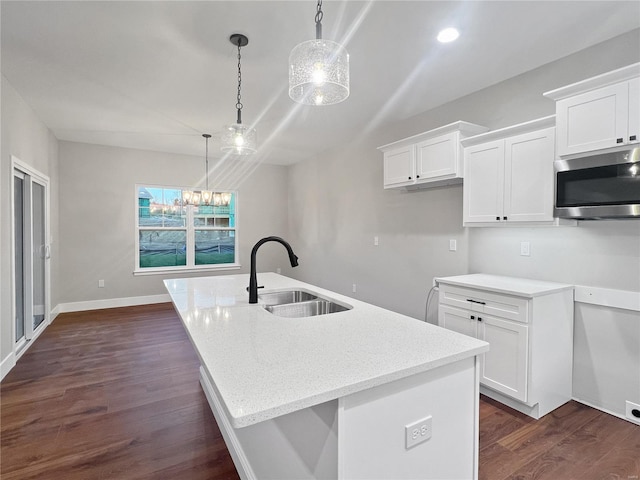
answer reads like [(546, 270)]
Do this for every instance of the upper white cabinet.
[(509, 175), (432, 158), (599, 113)]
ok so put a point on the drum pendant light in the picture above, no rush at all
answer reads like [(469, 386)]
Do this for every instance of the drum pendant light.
[(319, 69), (238, 139)]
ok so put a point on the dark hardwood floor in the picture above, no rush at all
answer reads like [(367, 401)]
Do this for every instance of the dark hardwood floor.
[(114, 394)]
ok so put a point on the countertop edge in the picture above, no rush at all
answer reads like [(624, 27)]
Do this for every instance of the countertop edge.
[(268, 414), (478, 281)]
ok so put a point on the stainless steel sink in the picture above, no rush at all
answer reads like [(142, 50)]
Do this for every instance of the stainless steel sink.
[(309, 308), (299, 303), (284, 297)]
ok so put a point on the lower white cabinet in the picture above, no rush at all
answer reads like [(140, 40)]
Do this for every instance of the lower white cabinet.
[(529, 327)]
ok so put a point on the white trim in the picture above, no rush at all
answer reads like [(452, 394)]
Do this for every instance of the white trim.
[(603, 80), (7, 364), (606, 297), (240, 460), (605, 410), (194, 269), (111, 303), (526, 127)]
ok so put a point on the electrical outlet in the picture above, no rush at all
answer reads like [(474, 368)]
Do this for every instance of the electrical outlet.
[(376, 241), (525, 249), (278, 270), (453, 246), (417, 432), (633, 412), (353, 288), (100, 283)]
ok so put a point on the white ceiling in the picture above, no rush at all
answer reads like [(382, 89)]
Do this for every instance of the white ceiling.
[(156, 75)]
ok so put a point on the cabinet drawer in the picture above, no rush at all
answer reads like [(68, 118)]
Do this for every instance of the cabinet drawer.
[(505, 306)]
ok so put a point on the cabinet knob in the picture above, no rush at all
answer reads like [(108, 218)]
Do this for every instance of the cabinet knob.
[(619, 140), (498, 218), (479, 319), (417, 176), (409, 178), (504, 218), (633, 138), (473, 317)]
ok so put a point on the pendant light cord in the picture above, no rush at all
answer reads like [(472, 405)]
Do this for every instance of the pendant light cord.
[(319, 16), (239, 103)]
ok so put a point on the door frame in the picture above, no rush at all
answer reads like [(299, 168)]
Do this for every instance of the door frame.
[(31, 175)]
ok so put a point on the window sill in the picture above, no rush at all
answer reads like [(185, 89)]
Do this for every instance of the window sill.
[(202, 268)]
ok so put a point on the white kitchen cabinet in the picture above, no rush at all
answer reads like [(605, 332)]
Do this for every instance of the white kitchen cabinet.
[(509, 175), (433, 158), (529, 327), (598, 113), (400, 166)]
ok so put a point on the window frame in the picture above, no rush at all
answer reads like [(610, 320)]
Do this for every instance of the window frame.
[(190, 231)]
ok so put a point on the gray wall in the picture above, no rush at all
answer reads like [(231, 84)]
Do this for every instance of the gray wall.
[(98, 198), (26, 137), (337, 205)]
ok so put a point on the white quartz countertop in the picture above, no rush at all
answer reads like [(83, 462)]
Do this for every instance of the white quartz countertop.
[(522, 287), (264, 366)]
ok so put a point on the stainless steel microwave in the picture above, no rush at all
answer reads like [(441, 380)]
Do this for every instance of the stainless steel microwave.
[(599, 186)]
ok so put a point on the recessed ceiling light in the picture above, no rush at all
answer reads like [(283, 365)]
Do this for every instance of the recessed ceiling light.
[(448, 35)]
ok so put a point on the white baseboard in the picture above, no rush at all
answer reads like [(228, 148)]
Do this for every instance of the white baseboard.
[(110, 303), (7, 364), (602, 409)]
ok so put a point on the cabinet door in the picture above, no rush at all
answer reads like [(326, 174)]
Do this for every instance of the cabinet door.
[(458, 320), (437, 157), (528, 176), (399, 166), (593, 120), (634, 111), (483, 182), (504, 367)]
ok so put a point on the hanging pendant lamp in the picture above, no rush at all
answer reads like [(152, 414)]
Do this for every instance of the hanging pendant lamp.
[(238, 139), (319, 69), (206, 195)]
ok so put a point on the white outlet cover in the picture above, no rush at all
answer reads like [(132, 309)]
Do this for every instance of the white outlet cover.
[(418, 432), (525, 249), (453, 245), (632, 406)]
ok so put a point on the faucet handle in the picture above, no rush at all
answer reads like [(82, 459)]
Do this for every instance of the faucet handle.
[(259, 286)]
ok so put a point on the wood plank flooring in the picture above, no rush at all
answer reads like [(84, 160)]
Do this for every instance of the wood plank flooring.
[(114, 394)]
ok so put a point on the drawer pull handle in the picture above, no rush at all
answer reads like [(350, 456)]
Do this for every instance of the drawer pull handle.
[(479, 319), (476, 301)]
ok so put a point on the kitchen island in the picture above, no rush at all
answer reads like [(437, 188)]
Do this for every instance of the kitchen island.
[(362, 393)]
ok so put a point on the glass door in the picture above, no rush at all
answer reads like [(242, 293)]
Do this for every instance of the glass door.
[(31, 252)]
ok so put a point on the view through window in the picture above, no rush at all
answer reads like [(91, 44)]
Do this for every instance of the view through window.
[(178, 227)]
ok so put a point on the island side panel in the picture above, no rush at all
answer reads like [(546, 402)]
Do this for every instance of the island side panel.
[(371, 424), (296, 446)]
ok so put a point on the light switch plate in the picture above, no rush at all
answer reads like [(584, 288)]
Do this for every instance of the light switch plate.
[(525, 249), (453, 246), (417, 432)]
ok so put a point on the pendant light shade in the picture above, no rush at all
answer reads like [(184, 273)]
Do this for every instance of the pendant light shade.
[(319, 70), (238, 139)]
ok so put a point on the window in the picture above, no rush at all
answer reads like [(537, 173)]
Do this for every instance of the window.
[(175, 230)]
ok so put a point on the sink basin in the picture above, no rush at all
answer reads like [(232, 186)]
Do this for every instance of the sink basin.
[(309, 308), (285, 297)]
